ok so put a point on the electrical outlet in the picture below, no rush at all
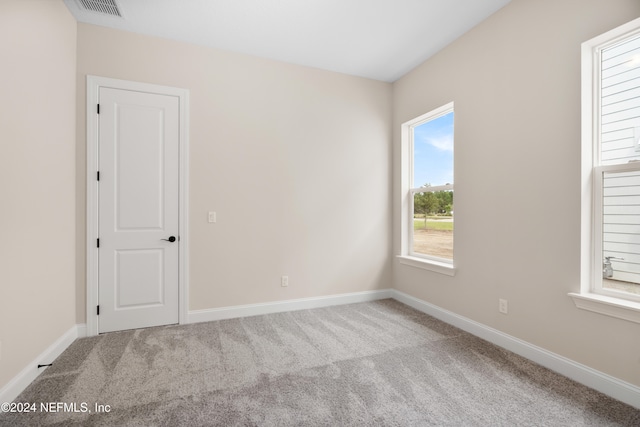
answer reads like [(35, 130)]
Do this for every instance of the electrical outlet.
[(212, 216), (503, 306), (284, 281)]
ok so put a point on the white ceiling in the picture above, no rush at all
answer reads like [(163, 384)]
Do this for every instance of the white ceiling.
[(378, 39)]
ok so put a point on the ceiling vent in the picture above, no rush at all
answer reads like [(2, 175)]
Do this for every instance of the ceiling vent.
[(107, 7)]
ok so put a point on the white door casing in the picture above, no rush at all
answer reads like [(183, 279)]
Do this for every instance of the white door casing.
[(138, 143)]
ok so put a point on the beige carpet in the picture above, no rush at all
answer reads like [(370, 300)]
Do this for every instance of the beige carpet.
[(379, 363)]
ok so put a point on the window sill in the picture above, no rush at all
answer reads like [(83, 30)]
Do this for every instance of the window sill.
[(609, 306), (427, 264)]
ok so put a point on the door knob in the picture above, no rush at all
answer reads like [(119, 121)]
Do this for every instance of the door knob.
[(170, 239)]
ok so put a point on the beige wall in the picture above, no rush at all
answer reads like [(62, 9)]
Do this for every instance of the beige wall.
[(295, 161), (515, 81), (37, 179)]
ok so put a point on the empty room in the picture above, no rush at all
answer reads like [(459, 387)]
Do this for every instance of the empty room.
[(241, 212)]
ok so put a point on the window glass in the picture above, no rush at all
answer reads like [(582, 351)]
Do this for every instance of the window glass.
[(616, 166), (620, 102), (432, 186), (621, 231), (433, 152), (433, 224)]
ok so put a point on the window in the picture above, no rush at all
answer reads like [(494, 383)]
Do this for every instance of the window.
[(611, 173), (427, 191)]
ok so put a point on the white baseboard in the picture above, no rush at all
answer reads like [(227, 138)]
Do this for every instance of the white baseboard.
[(606, 384), (17, 385), (611, 386), (82, 330), (209, 315)]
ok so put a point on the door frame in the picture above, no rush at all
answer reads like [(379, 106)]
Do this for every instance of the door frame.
[(94, 83)]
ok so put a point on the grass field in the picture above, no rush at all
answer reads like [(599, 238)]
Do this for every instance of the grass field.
[(433, 224)]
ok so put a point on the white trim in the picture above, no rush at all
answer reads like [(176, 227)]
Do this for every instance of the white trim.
[(598, 230), (407, 192), (607, 305), (611, 386), (445, 187), (587, 158), (93, 86), (591, 181), (431, 115), (232, 312), (82, 330), (25, 377), (406, 199), (428, 264), (613, 36)]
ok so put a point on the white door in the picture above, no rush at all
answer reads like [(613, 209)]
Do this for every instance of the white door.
[(138, 186)]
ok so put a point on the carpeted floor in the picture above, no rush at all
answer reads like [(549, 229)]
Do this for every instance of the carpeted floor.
[(378, 363)]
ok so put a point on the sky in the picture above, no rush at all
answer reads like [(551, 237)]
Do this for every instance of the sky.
[(433, 152)]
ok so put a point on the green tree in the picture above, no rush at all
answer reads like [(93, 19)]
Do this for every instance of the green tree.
[(445, 201), (425, 203)]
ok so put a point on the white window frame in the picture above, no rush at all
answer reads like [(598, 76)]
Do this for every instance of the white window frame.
[(592, 295), (407, 256)]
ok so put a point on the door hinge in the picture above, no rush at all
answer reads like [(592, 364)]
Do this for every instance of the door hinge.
[(98, 310), (98, 175), (98, 108), (97, 243)]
